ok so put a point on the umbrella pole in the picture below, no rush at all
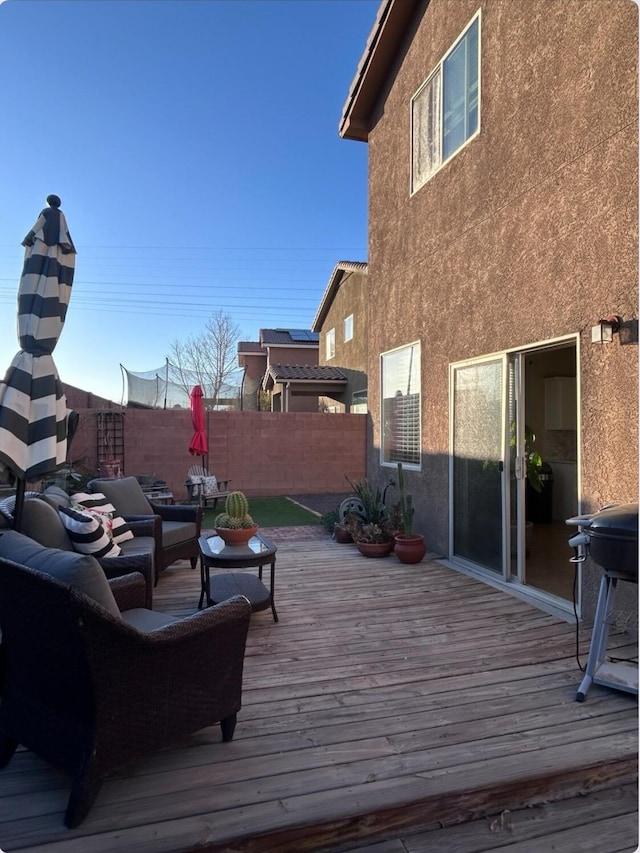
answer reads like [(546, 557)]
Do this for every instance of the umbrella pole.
[(17, 513)]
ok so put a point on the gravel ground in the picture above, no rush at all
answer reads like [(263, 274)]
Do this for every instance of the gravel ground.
[(320, 503)]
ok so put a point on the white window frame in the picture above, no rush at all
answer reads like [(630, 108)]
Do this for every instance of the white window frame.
[(428, 121), (404, 369), (348, 328), (330, 344)]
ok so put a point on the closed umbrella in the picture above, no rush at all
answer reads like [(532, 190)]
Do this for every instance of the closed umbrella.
[(33, 407), (199, 444)]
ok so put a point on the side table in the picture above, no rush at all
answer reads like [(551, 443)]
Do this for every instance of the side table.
[(214, 554)]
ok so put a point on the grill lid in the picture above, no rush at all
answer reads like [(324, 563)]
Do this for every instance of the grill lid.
[(617, 522)]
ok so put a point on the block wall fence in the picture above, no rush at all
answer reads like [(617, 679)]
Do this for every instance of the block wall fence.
[(263, 453)]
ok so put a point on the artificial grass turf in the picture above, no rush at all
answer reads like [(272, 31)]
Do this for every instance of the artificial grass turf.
[(269, 512)]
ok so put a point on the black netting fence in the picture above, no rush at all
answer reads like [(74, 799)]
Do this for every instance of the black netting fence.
[(158, 389)]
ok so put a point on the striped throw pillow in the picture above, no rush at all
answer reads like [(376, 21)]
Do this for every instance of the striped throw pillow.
[(87, 534), (120, 530)]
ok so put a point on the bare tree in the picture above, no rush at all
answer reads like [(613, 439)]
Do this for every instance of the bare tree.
[(208, 359)]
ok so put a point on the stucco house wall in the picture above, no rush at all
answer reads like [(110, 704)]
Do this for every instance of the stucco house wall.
[(350, 356), (528, 234)]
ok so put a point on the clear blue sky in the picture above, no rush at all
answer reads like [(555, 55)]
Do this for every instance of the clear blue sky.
[(194, 145)]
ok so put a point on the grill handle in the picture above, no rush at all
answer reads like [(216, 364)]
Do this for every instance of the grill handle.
[(580, 542)]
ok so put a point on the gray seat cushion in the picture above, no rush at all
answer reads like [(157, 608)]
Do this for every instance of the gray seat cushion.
[(138, 545), (78, 570), (147, 620), (175, 532), (41, 522), (126, 496), (56, 497)]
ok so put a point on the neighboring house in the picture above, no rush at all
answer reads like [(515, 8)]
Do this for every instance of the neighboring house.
[(341, 322), (281, 372), (503, 225)]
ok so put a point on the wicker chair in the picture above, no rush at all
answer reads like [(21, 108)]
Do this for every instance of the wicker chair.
[(90, 689), (40, 521), (177, 539)]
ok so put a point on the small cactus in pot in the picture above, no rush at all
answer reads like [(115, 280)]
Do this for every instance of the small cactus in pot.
[(235, 525), (236, 513)]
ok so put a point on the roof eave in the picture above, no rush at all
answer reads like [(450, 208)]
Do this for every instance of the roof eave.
[(382, 45), (332, 288)]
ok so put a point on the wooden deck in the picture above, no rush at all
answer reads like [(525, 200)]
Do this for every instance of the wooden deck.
[(389, 699)]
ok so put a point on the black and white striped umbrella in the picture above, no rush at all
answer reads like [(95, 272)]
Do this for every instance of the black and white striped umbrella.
[(33, 407)]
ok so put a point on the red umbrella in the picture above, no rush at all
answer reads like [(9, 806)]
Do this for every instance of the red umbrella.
[(199, 442)]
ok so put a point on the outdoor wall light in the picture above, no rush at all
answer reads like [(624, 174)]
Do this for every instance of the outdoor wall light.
[(604, 331)]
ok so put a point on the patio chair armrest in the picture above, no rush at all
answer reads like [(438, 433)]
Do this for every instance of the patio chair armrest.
[(124, 564), (143, 525), (129, 590), (179, 512)]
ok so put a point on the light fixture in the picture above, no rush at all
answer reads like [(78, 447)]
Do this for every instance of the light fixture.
[(604, 331)]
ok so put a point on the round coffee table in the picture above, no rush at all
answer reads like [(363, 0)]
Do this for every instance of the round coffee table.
[(214, 554)]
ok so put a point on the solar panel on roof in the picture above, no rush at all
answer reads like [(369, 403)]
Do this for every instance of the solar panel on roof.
[(303, 335)]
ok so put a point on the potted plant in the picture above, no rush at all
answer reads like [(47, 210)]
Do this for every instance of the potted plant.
[(373, 540), (367, 519), (235, 526), (410, 547), (332, 524)]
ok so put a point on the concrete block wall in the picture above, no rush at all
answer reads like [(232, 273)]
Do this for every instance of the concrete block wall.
[(262, 453)]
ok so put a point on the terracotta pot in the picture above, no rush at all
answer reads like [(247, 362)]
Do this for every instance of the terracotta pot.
[(236, 537), (375, 549), (341, 534), (410, 549)]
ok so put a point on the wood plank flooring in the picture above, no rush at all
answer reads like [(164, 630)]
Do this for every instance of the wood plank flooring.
[(388, 700)]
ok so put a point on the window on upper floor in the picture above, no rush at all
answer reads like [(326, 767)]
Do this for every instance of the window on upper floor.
[(348, 327), (401, 394), (445, 109), (330, 344)]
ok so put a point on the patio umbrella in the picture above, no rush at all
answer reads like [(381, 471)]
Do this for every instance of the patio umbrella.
[(33, 407), (199, 444)]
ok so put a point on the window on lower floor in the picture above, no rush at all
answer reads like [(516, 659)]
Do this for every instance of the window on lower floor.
[(330, 344), (445, 110), (359, 404), (400, 377)]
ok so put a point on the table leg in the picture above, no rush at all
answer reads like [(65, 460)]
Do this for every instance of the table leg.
[(204, 583), (273, 578)]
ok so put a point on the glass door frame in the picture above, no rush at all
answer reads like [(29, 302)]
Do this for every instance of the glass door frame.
[(517, 579), (505, 465)]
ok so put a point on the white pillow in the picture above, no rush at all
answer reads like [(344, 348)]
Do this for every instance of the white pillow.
[(120, 530), (209, 485), (87, 534)]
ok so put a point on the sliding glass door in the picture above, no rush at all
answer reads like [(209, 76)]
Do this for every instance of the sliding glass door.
[(478, 444)]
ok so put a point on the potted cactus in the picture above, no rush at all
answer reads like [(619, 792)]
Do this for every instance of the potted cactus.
[(409, 546), (235, 526)]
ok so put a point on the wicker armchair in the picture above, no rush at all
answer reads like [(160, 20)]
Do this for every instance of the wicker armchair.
[(91, 689), (177, 537), (40, 521)]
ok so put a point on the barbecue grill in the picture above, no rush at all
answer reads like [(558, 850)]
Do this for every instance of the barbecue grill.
[(610, 538)]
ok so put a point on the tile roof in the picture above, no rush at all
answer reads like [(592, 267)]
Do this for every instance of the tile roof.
[(305, 373), (250, 346)]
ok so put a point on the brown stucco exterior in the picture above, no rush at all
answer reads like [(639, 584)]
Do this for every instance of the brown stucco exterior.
[(346, 295), (528, 234), (273, 349)]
